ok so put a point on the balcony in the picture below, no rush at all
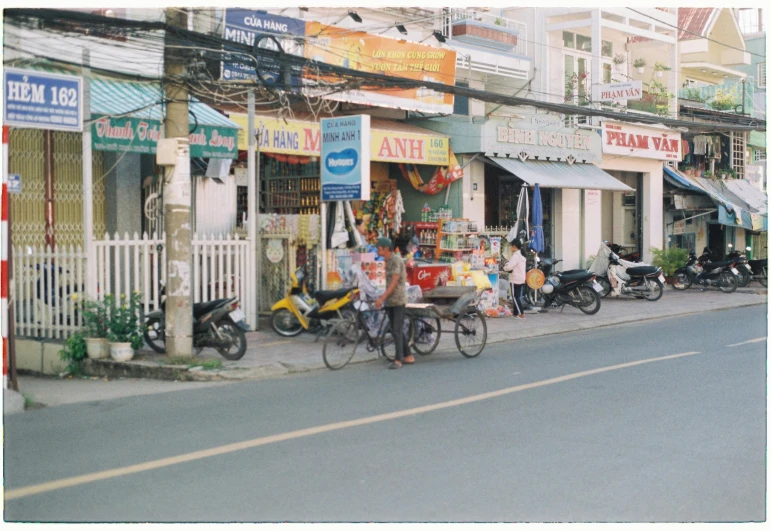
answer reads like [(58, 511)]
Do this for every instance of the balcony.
[(485, 30), (725, 98)]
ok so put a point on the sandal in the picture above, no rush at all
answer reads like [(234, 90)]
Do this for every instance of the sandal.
[(405, 362), (395, 365)]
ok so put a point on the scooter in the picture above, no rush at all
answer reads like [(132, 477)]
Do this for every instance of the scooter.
[(218, 324), (722, 275), (742, 265), (577, 288), (299, 311), (641, 281)]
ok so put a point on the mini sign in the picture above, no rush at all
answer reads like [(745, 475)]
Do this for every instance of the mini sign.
[(14, 183), (631, 90), (42, 101), (345, 158)]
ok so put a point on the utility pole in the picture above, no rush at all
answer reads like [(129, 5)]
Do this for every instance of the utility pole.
[(176, 198)]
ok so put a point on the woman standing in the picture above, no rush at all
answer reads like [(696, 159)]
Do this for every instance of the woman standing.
[(516, 265)]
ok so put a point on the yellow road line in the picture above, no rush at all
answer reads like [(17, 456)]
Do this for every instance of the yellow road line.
[(756, 340), (274, 344), (297, 434)]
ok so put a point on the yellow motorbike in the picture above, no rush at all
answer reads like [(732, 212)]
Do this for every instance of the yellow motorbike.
[(300, 311)]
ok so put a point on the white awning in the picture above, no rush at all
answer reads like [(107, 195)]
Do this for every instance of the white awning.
[(561, 174)]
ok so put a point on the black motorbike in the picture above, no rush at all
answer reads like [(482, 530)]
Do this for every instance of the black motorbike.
[(742, 265), (760, 271), (576, 287), (722, 275), (546, 265), (218, 324)]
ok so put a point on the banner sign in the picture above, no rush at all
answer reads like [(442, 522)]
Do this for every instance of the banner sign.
[(528, 140), (635, 141), (679, 227), (136, 135), (304, 138), (246, 26), (631, 90), (42, 101), (345, 158), (372, 53)]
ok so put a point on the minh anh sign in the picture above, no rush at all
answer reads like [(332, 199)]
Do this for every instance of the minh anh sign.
[(635, 141), (345, 158)]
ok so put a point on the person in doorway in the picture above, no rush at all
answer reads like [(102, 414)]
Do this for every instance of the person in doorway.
[(516, 265), (395, 300), (362, 229)]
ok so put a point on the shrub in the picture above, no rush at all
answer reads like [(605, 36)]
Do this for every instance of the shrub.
[(669, 260)]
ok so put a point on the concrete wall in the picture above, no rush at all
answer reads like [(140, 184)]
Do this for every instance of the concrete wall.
[(473, 200), (40, 357), (567, 227)]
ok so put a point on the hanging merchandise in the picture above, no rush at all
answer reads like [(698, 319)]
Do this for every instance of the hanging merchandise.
[(393, 208), (700, 145), (442, 177), (339, 234), (523, 213)]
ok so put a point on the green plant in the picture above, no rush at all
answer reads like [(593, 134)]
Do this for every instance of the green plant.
[(694, 94), (669, 260), (726, 99), (124, 319), (639, 63), (708, 174), (94, 315), (74, 352), (499, 22), (619, 59), (658, 67), (729, 173)]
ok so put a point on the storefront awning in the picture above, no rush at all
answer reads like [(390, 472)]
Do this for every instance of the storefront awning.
[(757, 139), (679, 180), (561, 175), (732, 210)]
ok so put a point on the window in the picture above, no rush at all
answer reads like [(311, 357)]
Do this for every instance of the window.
[(761, 75), (607, 49), (607, 73), (751, 20), (583, 44), (460, 105), (760, 155), (577, 80), (568, 39), (737, 154)]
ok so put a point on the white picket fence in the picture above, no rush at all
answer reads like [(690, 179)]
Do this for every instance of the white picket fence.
[(45, 280)]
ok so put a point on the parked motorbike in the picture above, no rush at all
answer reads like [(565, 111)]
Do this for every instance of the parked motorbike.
[(546, 265), (760, 271), (722, 275), (742, 264), (624, 254), (634, 279), (576, 287), (218, 324), (299, 311)]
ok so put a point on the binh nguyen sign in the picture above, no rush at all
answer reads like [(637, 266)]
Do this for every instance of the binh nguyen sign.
[(292, 137), (636, 141)]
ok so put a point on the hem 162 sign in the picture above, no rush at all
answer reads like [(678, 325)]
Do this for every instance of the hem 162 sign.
[(42, 101), (345, 158)]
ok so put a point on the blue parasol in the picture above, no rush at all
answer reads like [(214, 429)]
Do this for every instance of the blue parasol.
[(536, 230)]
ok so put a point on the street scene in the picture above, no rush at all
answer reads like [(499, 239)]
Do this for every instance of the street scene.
[(389, 264)]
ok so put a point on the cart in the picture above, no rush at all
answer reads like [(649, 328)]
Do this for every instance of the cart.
[(457, 304)]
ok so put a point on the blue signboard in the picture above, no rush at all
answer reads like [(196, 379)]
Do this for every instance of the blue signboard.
[(246, 26), (345, 158), (42, 100)]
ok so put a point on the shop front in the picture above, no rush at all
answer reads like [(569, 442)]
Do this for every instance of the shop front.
[(636, 155)]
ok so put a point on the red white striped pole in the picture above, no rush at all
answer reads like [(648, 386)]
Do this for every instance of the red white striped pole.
[(4, 245)]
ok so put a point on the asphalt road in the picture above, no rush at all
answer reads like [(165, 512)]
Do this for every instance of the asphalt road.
[(673, 439)]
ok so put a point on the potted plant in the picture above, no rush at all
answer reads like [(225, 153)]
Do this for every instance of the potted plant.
[(669, 260), (639, 64), (125, 328), (688, 169), (94, 315), (707, 174), (727, 173), (659, 69), (619, 60)]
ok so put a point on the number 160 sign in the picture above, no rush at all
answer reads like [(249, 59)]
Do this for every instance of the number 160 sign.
[(42, 101)]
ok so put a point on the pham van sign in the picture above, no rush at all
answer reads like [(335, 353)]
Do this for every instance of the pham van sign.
[(631, 90), (633, 141)]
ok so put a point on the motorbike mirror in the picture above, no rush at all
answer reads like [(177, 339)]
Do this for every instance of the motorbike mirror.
[(748, 248), (730, 245)]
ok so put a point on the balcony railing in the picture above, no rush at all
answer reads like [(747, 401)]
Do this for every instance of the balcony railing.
[(726, 97), (452, 16)]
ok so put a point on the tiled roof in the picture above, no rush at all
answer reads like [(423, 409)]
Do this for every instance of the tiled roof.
[(694, 21)]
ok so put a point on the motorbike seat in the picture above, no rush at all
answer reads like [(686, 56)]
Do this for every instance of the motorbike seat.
[(575, 275), (709, 266), (641, 271), (202, 308), (325, 296)]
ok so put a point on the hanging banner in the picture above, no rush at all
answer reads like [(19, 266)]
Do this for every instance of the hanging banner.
[(42, 101), (373, 53), (635, 141), (135, 135), (345, 158), (439, 182)]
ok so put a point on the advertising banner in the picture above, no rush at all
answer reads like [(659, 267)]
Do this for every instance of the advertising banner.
[(631, 90), (345, 158), (372, 53), (246, 26), (292, 137), (136, 135), (42, 101), (635, 141)]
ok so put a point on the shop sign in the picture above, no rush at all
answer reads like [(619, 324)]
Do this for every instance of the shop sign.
[(246, 26), (42, 101), (136, 135), (592, 197), (631, 90), (635, 141), (692, 202), (528, 140), (304, 139), (395, 57), (14, 183), (345, 158), (679, 227)]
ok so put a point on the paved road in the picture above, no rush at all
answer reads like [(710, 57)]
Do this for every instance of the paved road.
[(563, 428)]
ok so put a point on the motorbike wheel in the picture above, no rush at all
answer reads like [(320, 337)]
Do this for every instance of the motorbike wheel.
[(284, 323), (154, 336), (656, 290), (237, 348), (605, 284), (727, 282), (590, 300), (744, 278), (681, 281), (763, 279), (426, 333)]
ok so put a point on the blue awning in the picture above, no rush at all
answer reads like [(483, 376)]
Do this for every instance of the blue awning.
[(675, 178)]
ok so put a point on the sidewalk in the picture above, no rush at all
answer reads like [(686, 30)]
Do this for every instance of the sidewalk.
[(269, 355)]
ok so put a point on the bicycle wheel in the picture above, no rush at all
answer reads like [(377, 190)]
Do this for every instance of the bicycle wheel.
[(154, 335), (470, 333), (426, 333), (340, 344)]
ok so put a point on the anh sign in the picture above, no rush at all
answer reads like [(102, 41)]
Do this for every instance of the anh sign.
[(631, 90), (345, 158), (42, 101), (634, 141)]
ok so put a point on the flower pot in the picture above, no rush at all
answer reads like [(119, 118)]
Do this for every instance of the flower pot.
[(659, 73), (96, 347), (121, 351), (640, 69), (619, 66), (689, 172)]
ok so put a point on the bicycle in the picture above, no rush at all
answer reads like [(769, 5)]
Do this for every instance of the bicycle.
[(345, 336)]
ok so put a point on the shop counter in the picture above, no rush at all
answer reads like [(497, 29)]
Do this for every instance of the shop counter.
[(428, 276)]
